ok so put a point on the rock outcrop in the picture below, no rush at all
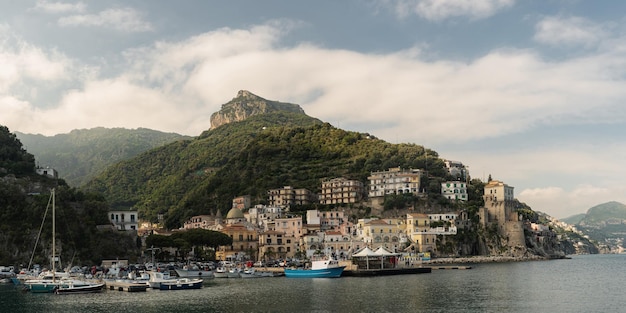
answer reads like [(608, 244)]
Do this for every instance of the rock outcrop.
[(247, 104)]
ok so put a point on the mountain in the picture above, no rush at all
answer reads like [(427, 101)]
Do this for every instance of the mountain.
[(269, 148), (574, 219), (604, 213), (24, 200), (605, 224), (82, 154), (247, 104)]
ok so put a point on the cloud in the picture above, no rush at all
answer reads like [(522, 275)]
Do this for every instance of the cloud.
[(123, 19), (22, 61), (399, 97), (502, 92), (437, 10), (59, 7), (559, 30), (561, 204)]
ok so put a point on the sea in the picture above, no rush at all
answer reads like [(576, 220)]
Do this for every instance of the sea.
[(585, 283)]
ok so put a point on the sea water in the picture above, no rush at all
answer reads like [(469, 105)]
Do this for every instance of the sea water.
[(589, 283)]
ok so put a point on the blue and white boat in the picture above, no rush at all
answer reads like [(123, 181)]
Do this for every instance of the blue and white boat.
[(323, 268)]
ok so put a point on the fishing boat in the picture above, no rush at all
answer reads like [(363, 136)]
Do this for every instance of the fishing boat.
[(181, 283), (320, 268), (193, 271), (163, 281), (77, 286), (220, 272)]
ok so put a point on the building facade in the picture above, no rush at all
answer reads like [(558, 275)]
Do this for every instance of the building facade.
[(394, 181), (454, 190), (287, 196), (341, 191), (124, 219)]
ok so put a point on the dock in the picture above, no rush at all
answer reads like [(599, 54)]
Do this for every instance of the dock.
[(451, 267), (126, 286)]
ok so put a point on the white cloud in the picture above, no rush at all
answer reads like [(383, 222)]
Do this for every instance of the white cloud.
[(561, 204), (399, 97), (123, 19), (22, 61), (437, 10), (558, 30), (59, 7)]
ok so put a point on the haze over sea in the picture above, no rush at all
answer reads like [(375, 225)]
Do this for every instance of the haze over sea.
[(588, 283)]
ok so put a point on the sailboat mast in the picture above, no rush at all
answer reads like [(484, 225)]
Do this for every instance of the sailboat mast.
[(53, 239)]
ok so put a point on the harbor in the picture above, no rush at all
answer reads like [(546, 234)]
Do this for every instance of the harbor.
[(546, 286)]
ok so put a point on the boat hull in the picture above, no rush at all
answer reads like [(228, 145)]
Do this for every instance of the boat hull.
[(318, 273), (91, 288), (42, 287), (194, 274), (181, 285)]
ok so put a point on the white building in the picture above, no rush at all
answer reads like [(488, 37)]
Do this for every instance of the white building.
[(394, 181), (454, 190), (124, 219)]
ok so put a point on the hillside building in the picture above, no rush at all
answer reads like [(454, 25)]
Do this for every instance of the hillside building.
[(124, 219), (47, 171), (288, 196), (341, 191), (394, 181), (500, 210), (454, 190), (457, 170)]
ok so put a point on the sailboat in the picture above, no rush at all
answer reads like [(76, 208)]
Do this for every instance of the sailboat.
[(60, 285)]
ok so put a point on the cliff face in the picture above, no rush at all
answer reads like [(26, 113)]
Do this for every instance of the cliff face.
[(247, 104)]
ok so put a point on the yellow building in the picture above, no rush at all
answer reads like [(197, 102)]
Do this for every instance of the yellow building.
[(418, 231), (245, 239), (276, 245), (382, 233)]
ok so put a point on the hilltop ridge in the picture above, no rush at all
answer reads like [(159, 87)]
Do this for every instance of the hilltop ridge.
[(247, 104)]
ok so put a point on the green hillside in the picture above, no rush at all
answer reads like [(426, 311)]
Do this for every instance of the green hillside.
[(82, 154), (574, 219), (605, 212), (262, 152), (24, 197)]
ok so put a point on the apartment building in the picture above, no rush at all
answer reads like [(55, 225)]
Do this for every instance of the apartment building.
[(454, 190), (341, 190), (394, 181)]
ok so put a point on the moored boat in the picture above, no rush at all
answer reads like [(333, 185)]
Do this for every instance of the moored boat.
[(220, 272), (322, 268), (74, 286), (163, 281), (180, 284), (194, 272)]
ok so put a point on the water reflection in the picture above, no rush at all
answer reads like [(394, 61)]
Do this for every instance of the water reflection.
[(583, 284)]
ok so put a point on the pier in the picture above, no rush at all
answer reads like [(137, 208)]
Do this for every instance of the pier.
[(450, 267), (126, 286)]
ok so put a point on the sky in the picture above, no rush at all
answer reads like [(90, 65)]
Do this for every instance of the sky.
[(530, 92)]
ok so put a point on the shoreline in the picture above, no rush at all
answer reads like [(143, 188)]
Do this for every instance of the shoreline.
[(486, 259)]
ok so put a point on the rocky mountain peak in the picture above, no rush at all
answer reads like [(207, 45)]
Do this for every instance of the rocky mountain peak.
[(247, 104)]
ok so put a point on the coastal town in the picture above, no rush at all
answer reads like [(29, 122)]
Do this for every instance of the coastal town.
[(270, 233)]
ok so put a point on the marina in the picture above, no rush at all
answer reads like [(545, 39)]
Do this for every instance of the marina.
[(519, 287)]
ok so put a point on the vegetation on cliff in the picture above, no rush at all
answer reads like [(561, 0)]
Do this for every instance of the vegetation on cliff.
[(24, 197), (82, 154)]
